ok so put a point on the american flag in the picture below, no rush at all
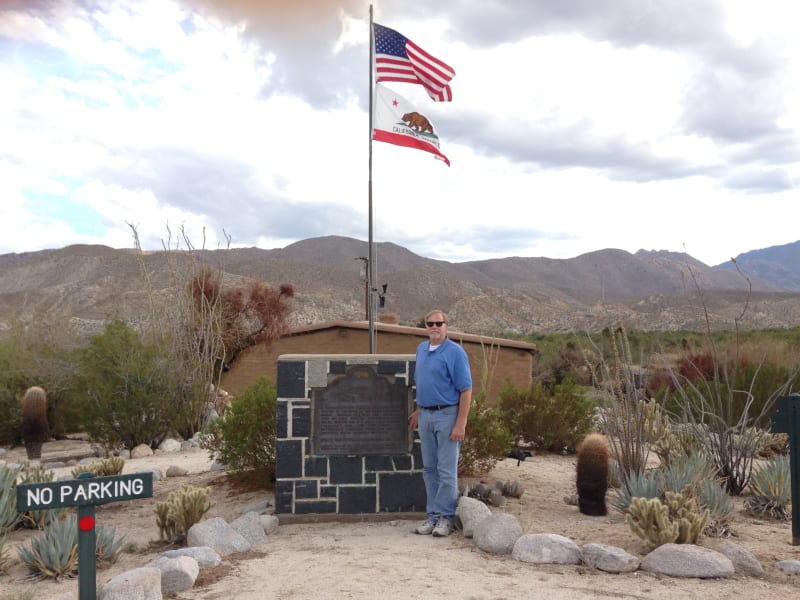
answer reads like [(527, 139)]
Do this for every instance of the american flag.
[(399, 59)]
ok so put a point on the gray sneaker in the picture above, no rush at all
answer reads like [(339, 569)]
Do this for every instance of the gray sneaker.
[(443, 527), (427, 527)]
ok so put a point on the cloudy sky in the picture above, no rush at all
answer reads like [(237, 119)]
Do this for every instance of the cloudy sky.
[(575, 125)]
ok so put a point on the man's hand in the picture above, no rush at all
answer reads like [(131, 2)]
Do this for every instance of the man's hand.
[(459, 430), (413, 419)]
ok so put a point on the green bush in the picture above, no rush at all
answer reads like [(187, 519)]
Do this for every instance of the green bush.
[(487, 439), (129, 389), (554, 420), (244, 439), (11, 387)]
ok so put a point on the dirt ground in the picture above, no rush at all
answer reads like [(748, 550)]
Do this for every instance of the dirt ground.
[(386, 560)]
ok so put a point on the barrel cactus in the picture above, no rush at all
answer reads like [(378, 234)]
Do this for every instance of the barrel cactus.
[(35, 430)]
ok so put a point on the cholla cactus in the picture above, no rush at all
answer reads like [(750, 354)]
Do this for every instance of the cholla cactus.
[(182, 509), (112, 465), (677, 519), (35, 430), (685, 510), (649, 519)]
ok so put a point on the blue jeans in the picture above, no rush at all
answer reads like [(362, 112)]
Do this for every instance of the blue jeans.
[(439, 461)]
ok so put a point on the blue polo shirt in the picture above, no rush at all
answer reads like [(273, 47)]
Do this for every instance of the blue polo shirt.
[(442, 374)]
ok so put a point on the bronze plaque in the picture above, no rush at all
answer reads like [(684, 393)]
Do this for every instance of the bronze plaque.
[(360, 413)]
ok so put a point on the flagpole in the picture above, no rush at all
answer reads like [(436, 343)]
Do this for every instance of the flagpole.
[(371, 255)]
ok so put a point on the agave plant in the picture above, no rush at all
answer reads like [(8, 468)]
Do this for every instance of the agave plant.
[(684, 470), (9, 515), (108, 546), (4, 564), (646, 484), (771, 485), (715, 498), (54, 552), (38, 519)]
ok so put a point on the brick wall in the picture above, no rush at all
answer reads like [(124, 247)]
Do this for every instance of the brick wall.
[(506, 360)]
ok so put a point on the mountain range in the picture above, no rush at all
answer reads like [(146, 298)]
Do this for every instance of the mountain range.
[(647, 290)]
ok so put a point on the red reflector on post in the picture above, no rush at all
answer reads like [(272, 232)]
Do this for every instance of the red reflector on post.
[(86, 523)]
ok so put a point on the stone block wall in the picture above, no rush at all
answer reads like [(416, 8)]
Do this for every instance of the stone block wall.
[(342, 483)]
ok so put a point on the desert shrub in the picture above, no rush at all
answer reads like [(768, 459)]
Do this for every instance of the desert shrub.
[(771, 486), (39, 353), (10, 386), (129, 388), (569, 365), (720, 416), (244, 439), (487, 438), (772, 445), (554, 420), (676, 441), (182, 509), (627, 420)]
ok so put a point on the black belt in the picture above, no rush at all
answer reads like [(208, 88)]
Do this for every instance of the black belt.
[(438, 406)]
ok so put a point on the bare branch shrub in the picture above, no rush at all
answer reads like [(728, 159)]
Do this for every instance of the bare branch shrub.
[(204, 323), (721, 401), (624, 416)]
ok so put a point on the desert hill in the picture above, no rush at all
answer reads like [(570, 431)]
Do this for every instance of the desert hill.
[(648, 290)]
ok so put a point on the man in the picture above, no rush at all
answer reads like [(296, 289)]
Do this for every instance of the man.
[(444, 393)]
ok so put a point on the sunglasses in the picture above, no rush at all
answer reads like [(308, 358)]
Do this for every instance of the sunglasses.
[(432, 323)]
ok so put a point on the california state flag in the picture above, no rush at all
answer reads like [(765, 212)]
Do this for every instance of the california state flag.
[(395, 121)]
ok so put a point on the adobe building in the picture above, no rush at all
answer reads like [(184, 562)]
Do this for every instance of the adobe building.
[(491, 358)]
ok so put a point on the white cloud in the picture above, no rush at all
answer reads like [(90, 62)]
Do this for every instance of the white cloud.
[(568, 132)]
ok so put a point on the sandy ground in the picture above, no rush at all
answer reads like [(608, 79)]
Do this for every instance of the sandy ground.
[(386, 560)]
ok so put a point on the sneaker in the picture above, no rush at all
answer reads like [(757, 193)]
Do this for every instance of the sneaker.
[(426, 528), (443, 527)]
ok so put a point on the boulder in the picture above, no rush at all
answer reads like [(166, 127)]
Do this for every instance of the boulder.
[(217, 534), (497, 533), (177, 573), (143, 583), (546, 548), (687, 560), (471, 512), (608, 558)]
